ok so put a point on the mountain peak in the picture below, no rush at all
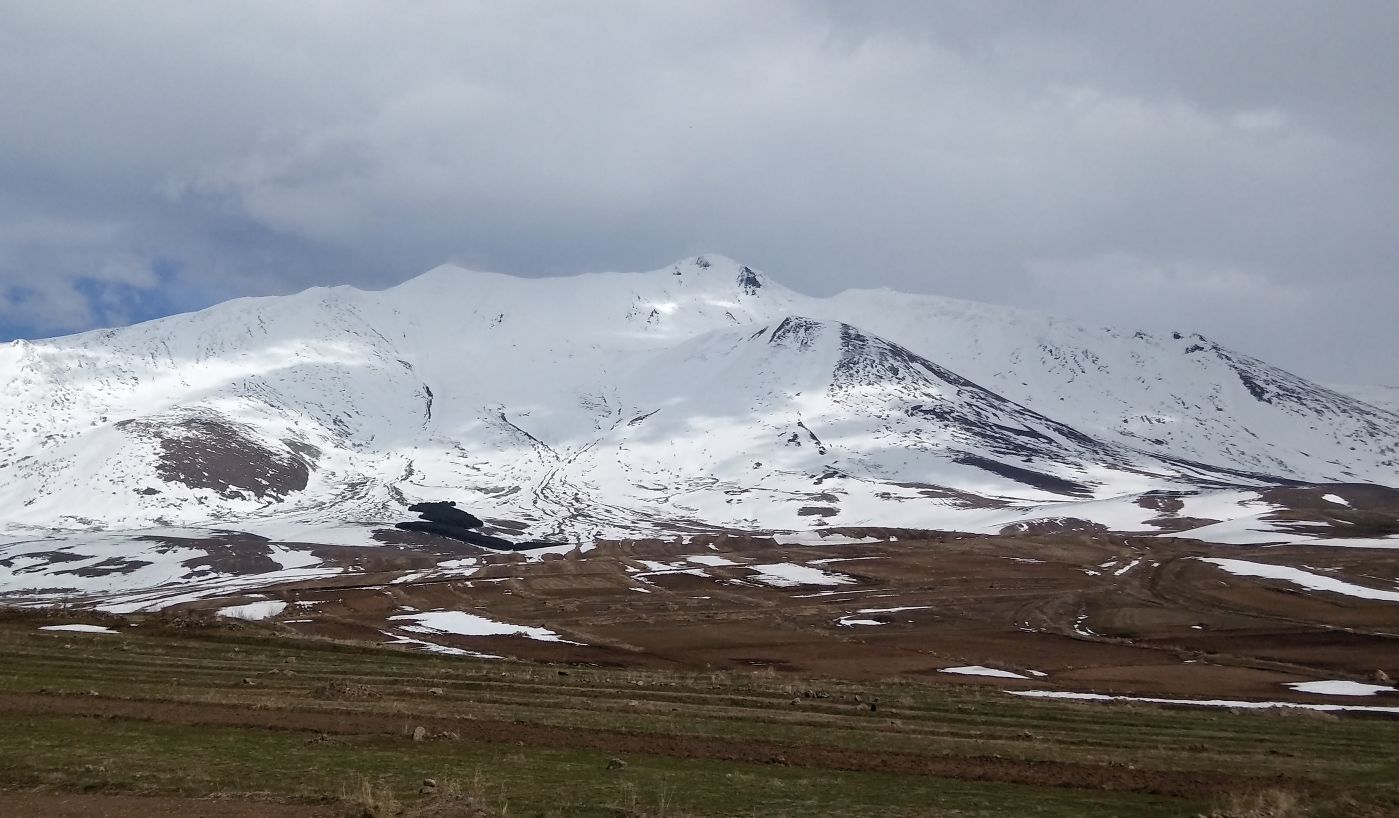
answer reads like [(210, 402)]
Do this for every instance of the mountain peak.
[(716, 271), (717, 267)]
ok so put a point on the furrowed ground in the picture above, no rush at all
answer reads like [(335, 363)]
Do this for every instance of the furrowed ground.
[(155, 721)]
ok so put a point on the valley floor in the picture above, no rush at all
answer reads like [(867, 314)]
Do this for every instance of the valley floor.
[(178, 717)]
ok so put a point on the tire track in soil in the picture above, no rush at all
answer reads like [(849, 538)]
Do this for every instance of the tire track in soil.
[(354, 723)]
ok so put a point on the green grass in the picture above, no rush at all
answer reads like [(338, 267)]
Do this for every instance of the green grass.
[(1338, 766)]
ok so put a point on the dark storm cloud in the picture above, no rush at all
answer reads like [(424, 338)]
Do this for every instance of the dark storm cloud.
[(1226, 168)]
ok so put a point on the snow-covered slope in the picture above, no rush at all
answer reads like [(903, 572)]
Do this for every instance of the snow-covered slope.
[(1179, 396), (701, 395), (1383, 397)]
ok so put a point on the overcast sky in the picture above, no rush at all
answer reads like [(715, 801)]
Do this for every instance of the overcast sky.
[(1230, 168)]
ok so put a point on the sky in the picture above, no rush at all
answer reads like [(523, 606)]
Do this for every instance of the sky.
[(1227, 167)]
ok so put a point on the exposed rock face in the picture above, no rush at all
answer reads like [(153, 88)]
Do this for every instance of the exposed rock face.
[(213, 453)]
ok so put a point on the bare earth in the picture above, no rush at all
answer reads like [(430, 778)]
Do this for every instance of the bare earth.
[(1102, 613)]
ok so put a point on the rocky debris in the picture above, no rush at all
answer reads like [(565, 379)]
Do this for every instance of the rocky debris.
[(343, 691), (58, 691), (1380, 677), (436, 691), (1048, 526), (616, 764)]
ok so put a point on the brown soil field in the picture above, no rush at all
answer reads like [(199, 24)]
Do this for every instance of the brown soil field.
[(185, 715), (1103, 613)]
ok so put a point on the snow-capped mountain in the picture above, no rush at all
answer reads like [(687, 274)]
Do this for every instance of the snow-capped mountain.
[(703, 395)]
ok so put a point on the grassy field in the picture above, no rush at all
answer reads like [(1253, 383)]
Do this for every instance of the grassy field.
[(332, 729)]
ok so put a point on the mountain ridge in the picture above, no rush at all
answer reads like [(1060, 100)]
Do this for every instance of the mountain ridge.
[(341, 404)]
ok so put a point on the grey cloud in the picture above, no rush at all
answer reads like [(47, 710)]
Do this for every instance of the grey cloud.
[(1226, 168)]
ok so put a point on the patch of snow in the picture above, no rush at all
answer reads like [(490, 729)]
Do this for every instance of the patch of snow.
[(711, 559), (1100, 697), (77, 628), (820, 538), (1341, 688), (980, 670), (460, 623), (433, 647), (291, 558), (787, 575), (411, 576), (668, 568), (829, 560), (1337, 499), (847, 621), (254, 611), (1296, 576)]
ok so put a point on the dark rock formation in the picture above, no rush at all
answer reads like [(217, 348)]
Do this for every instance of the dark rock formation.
[(446, 512), (446, 520)]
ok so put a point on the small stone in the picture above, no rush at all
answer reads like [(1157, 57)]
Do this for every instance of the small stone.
[(1380, 677), (430, 782), (249, 682), (436, 691), (616, 764), (420, 733)]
